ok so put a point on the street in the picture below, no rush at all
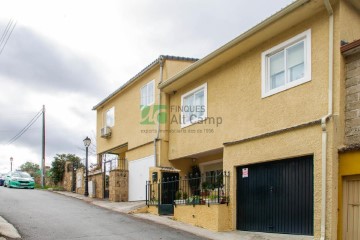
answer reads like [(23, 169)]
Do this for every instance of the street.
[(38, 214)]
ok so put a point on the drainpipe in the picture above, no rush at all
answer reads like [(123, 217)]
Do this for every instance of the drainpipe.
[(161, 62), (324, 119)]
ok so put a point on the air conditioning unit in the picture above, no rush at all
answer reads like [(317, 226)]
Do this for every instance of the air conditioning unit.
[(105, 132)]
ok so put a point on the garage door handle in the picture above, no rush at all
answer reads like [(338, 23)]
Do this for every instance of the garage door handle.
[(355, 204)]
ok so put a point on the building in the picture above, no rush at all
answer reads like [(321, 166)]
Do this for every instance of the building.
[(268, 109), (124, 139), (349, 154)]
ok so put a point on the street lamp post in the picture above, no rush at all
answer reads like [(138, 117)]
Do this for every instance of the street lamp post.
[(11, 160), (87, 142)]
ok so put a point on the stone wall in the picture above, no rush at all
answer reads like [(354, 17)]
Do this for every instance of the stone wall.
[(118, 185), (98, 179), (352, 110), (68, 176), (80, 181)]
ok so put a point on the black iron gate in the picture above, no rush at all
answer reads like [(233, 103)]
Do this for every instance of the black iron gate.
[(106, 177), (169, 186), (276, 196)]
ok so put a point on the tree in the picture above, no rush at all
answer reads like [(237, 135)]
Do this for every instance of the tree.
[(32, 168), (58, 165)]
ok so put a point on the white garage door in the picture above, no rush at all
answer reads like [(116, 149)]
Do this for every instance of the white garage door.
[(138, 175)]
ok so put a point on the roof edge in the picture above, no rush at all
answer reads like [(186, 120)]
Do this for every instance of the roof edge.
[(141, 73), (291, 7), (350, 46), (349, 148)]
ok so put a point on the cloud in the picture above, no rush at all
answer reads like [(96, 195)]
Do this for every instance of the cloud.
[(192, 28), (68, 59), (69, 120), (31, 60), (35, 71)]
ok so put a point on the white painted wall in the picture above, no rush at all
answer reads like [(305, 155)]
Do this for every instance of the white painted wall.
[(78, 180), (138, 175)]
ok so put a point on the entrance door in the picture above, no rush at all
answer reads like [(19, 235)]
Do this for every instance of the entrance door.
[(276, 196), (169, 187), (351, 208)]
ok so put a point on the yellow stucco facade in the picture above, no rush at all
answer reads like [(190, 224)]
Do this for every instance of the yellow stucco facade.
[(195, 215), (127, 129), (234, 94), (247, 127)]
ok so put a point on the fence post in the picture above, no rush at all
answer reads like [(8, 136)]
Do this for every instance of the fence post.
[(159, 196), (146, 193)]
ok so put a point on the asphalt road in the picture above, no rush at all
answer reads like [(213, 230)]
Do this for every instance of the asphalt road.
[(41, 215)]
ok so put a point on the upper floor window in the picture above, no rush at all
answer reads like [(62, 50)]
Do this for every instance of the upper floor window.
[(287, 64), (110, 117), (147, 94), (194, 106)]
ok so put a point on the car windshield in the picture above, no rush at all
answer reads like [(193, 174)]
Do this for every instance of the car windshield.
[(21, 174)]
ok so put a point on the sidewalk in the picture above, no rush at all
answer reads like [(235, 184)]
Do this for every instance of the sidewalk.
[(8, 230), (129, 207), (123, 207)]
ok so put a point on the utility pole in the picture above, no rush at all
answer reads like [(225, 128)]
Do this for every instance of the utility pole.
[(43, 150)]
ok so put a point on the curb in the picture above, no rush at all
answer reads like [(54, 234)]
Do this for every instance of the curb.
[(8, 230), (102, 204), (200, 232)]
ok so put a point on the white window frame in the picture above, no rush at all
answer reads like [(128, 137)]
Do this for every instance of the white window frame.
[(147, 94), (265, 80), (203, 86), (105, 117)]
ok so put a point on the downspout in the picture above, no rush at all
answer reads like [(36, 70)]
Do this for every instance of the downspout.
[(324, 119), (161, 62)]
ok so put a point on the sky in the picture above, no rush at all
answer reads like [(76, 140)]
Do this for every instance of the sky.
[(69, 55)]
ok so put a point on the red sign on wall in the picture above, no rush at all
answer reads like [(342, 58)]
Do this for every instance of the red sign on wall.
[(245, 172)]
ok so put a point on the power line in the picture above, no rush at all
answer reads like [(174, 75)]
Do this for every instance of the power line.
[(5, 31), (4, 39), (27, 126), (16, 130)]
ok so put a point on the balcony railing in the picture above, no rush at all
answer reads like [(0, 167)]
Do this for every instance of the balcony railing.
[(110, 164)]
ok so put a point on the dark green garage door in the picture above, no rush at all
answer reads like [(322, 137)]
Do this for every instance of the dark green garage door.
[(276, 196)]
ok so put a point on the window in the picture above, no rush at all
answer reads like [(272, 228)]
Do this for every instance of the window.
[(147, 93), (213, 172), (194, 106), (287, 64), (110, 117)]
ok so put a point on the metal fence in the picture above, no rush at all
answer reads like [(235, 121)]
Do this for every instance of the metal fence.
[(211, 188)]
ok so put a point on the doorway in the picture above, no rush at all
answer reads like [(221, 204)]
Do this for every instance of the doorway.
[(351, 208)]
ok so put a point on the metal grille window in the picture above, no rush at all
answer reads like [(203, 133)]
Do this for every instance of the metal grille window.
[(214, 177)]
